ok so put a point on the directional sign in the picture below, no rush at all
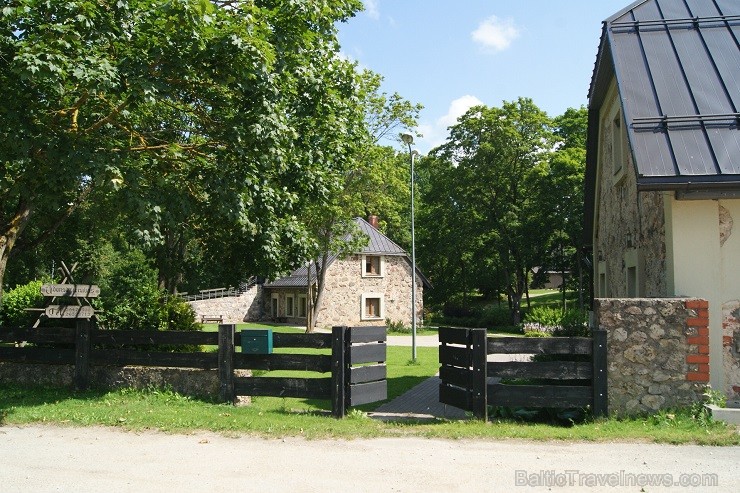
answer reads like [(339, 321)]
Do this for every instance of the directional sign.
[(69, 311), (72, 290)]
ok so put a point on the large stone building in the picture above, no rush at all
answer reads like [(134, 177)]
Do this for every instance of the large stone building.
[(663, 165), (366, 288)]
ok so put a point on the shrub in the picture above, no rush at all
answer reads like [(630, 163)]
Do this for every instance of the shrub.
[(564, 324), (14, 303), (397, 327)]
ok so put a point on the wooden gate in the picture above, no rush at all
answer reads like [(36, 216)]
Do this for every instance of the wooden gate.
[(465, 371)]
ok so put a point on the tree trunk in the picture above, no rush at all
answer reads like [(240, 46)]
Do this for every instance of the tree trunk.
[(9, 235), (319, 292)]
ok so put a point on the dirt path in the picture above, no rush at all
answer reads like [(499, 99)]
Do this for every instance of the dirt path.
[(45, 459)]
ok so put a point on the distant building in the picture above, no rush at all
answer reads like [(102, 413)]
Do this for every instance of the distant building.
[(366, 288)]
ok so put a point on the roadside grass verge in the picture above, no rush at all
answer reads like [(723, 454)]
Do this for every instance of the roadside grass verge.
[(274, 417)]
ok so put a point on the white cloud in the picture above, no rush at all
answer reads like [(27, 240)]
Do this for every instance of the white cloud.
[(457, 108), (435, 133), (495, 34), (371, 9)]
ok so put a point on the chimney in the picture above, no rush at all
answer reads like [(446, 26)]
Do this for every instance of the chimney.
[(373, 220)]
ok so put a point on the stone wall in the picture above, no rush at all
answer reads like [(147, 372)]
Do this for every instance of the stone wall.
[(658, 352), (630, 224), (234, 309), (731, 349), (197, 383), (345, 287)]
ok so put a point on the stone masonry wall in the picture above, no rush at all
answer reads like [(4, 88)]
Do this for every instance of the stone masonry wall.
[(657, 352), (234, 309), (630, 223), (345, 287), (203, 384)]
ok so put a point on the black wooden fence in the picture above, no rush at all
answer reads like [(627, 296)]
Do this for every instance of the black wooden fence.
[(465, 371), (348, 385)]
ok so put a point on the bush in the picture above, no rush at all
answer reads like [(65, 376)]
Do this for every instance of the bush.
[(550, 319), (397, 327), (14, 303)]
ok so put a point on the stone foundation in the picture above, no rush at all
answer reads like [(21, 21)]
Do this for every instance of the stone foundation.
[(657, 352), (202, 384)]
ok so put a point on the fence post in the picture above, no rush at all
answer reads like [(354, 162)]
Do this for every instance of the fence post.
[(600, 407), (226, 362), (339, 373), (478, 341), (82, 354)]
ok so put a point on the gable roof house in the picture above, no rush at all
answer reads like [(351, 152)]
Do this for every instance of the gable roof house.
[(663, 163), (366, 288)]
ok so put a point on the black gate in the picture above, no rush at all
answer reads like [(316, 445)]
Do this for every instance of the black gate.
[(465, 371)]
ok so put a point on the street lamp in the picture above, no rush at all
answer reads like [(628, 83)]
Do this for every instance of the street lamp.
[(408, 139)]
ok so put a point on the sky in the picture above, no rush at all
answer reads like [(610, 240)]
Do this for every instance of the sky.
[(450, 55)]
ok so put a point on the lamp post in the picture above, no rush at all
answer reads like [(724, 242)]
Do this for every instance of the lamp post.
[(408, 139)]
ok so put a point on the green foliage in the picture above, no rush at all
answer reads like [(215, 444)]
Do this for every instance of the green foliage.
[(14, 303), (572, 322), (131, 300), (397, 327)]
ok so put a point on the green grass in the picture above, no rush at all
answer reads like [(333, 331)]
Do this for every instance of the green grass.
[(164, 410)]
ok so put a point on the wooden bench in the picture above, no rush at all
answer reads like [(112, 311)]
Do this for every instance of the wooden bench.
[(204, 319)]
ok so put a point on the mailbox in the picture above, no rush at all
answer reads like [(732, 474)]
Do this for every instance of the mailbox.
[(257, 341)]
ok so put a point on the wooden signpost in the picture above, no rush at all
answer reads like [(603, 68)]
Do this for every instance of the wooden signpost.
[(69, 311), (71, 290), (81, 310)]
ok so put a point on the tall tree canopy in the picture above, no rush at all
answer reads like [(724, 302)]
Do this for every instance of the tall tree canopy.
[(195, 113), (497, 197)]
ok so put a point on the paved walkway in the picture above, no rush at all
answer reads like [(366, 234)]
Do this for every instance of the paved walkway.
[(422, 401)]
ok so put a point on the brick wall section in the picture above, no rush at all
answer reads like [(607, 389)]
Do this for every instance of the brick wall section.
[(697, 339), (657, 352)]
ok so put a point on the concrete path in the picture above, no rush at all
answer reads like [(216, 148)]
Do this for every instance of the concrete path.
[(422, 401)]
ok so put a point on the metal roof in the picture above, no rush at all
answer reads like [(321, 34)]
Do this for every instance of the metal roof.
[(378, 244), (677, 65)]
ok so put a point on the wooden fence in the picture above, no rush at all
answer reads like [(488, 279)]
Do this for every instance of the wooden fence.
[(465, 371), (348, 385)]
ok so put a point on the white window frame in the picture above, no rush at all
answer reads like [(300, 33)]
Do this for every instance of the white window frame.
[(381, 265), (363, 313), (302, 302), (290, 305)]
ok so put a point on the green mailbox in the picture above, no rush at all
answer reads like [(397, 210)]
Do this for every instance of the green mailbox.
[(257, 341)]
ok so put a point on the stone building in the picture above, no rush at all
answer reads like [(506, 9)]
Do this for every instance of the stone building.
[(663, 165), (366, 288)]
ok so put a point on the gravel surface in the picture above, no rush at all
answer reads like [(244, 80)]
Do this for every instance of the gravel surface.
[(46, 458)]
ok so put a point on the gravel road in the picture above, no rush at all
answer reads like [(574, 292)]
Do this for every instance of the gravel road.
[(46, 459)]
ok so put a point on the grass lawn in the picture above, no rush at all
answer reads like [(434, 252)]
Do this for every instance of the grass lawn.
[(278, 417)]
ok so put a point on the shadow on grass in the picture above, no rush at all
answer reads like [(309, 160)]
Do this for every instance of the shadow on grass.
[(16, 396)]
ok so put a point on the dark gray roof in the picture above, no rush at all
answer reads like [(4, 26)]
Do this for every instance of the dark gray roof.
[(677, 64), (378, 244)]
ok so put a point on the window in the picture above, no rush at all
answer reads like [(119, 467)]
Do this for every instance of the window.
[(602, 279), (302, 306), (372, 306), (633, 268), (372, 266), (289, 305), (617, 156), (274, 305)]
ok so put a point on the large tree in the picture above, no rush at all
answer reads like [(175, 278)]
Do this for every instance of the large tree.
[(493, 162), (373, 179), (190, 109)]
